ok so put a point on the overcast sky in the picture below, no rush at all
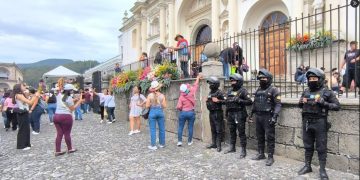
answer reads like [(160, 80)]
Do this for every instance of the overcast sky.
[(33, 30)]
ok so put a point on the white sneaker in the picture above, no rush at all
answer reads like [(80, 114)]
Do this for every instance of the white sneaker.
[(152, 148), (51, 124), (109, 122), (35, 133), (131, 133), (179, 144), (114, 120), (161, 146), (101, 121), (190, 143), (136, 131), (27, 148)]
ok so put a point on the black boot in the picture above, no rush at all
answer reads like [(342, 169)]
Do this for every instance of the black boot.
[(243, 152), (322, 171), (213, 144), (218, 144), (307, 167), (259, 156), (270, 160), (231, 149)]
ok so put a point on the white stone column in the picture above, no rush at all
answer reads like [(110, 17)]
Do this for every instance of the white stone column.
[(171, 23), (143, 33), (215, 21), (233, 24), (138, 38), (162, 24)]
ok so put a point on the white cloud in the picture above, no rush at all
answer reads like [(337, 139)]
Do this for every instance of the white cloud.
[(75, 29)]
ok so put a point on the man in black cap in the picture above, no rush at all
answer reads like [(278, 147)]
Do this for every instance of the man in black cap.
[(315, 103), (214, 105), (266, 107), (236, 100)]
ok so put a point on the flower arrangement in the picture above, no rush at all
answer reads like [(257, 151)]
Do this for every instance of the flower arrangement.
[(308, 41), (124, 81)]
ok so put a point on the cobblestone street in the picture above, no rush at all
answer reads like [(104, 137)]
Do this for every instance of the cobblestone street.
[(107, 152)]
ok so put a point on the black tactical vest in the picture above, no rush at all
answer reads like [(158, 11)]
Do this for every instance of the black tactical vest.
[(230, 100), (263, 100), (311, 107), (212, 106)]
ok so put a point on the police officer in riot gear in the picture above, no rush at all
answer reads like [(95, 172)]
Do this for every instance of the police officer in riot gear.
[(266, 107), (214, 105), (236, 99), (315, 103)]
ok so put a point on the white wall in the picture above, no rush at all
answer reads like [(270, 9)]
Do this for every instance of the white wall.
[(130, 53)]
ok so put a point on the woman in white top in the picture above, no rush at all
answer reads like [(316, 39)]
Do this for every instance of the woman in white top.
[(63, 118), (102, 97), (110, 107), (136, 103), (22, 113)]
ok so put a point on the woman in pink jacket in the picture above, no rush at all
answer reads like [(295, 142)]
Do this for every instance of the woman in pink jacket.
[(186, 106)]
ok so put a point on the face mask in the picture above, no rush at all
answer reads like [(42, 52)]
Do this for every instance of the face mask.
[(263, 83), (313, 84), (72, 95), (213, 87)]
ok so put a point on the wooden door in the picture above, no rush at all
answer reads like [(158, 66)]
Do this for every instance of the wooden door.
[(202, 37), (272, 41)]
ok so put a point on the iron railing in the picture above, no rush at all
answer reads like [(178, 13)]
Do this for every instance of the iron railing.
[(268, 47)]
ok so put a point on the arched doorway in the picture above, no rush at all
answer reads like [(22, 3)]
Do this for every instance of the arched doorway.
[(273, 35), (202, 37), (4, 87)]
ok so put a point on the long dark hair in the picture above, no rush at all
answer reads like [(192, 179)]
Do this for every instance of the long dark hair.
[(7, 94), (66, 93), (16, 90)]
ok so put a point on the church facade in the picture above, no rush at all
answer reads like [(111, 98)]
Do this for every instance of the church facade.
[(158, 21)]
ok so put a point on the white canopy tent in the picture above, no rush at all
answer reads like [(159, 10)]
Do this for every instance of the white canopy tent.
[(59, 72)]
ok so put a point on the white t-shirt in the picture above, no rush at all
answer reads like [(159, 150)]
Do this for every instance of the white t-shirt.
[(63, 107)]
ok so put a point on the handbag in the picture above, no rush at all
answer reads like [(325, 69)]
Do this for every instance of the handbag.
[(43, 104), (245, 67), (145, 113)]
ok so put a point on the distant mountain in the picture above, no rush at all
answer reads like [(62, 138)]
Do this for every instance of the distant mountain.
[(33, 71), (46, 62)]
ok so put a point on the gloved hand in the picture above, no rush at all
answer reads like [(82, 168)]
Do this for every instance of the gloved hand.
[(322, 102), (273, 120), (250, 119)]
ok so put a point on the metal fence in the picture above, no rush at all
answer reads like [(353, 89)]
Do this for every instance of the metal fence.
[(282, 44)]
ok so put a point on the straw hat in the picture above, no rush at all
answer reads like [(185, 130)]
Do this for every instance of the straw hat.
[(178, 35), (155, 85)]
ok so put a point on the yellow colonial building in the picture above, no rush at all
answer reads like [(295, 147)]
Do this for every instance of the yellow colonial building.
[(10, 74)]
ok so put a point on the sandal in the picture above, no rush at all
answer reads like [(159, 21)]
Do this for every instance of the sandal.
[(72, 151), (59, 153)]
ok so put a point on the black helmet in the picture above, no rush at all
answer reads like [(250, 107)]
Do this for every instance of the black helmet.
[(214, 82), (265, 73), (238, 78), (314, 72)]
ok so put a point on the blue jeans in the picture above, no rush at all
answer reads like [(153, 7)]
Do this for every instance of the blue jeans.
[(156, 115), (190, 117), (3, 114), (51, 111), (86, 107), (78, 113), (225, 68), (35, 118)]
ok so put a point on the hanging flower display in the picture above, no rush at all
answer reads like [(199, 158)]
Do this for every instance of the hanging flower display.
[(124, 81)]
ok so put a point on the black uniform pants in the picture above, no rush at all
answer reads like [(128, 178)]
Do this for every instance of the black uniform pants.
[(236, 121), (263, 128), (216, 124), (315, 132)]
